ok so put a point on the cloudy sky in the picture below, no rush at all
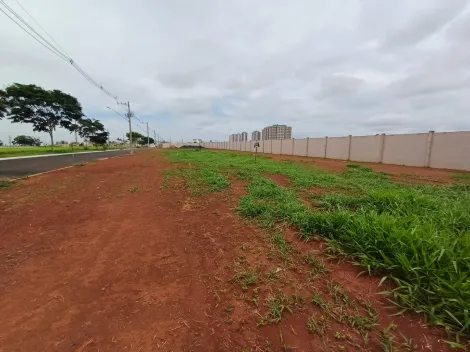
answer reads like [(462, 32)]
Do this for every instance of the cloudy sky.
[(208, 68)]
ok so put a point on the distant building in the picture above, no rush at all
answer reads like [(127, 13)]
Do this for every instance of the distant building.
[(238, 137), (277, 132), (256, 136)]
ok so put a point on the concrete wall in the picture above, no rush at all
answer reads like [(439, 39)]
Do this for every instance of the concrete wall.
[(316, 147), (450, 150), (287, 146), (366, 148), (337, 148), (405, 149), (267, 147), (276, 145), (300, 147)]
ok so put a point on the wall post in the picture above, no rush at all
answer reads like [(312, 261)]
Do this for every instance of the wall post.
[(326, 145), (382, 147), (293, 145), (306, 154), (427, 161), (272, 146), (349, 148), (281, 147)]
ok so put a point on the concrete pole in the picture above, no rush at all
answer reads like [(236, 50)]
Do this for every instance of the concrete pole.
[(129, 115), (308, 139), (349, 148), (326, 145), (382, 147)]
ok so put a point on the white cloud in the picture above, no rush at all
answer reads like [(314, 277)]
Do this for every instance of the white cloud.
[(207, 68)]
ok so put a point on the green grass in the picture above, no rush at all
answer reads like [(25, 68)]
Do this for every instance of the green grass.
[(15, 152), (417, 236), (4, 184)]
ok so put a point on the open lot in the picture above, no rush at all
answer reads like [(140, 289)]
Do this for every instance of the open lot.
[(215, 251)]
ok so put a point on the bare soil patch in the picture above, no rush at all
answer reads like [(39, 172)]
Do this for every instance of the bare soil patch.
[(281, 180), (110, 257)]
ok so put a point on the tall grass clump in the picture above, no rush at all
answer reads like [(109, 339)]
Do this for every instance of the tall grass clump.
[(417, 236)]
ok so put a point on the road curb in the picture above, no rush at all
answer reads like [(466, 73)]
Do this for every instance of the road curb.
[(58, 154), (62, 168)]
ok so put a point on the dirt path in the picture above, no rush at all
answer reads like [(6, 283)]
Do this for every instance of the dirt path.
[(109, 257)]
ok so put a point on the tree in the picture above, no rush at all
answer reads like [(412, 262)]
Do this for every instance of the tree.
[(135, 136), (3, 104), (100, 138), (26, 141), (93, 130), (1, 143), (44, 109), (143, 140)]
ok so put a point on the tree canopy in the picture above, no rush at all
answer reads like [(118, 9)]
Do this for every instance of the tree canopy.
[(135, 136), (26, 141), (3, 104), (44, 109), (143, 140), (100, 138)]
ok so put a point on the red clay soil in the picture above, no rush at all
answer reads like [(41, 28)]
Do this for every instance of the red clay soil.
[(110, 257)]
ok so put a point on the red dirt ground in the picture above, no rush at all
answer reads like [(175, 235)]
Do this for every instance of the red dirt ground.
[(110, 257)]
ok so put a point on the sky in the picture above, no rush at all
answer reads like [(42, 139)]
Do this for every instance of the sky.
[(209, 68)]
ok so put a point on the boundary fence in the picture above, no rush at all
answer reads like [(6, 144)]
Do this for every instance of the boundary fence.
[(444, 150)]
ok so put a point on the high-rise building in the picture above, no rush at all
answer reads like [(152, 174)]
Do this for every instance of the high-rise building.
[(256, 136), (233, 137), (277, 132), (244, 136)]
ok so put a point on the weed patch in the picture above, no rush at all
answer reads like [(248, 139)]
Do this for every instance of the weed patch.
[(417, 236), (5, 184)]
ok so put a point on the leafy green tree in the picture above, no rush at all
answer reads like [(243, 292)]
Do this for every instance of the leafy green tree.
[(92, 130), (135, 136), (100, 138), (143, 140), (44, 109), (1, 143), (3, 104), (26, 141)]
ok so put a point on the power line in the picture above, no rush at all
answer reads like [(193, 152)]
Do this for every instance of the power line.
[(48, 45), (51, 46), (39, 25), (52, 51), (56, 50)]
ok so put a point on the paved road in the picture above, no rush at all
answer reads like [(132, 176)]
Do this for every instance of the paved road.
[(29, 166)]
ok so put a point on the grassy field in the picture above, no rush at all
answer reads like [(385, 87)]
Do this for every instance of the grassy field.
[(417, 236), (13, 152)]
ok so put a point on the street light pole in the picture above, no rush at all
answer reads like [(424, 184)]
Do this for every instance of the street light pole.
[(148, 137), (129, 115)]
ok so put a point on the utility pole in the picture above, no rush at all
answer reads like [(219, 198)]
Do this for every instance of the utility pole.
[(129, 116), (9, 139), (155, 138), (148, 138), (130, 126)]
